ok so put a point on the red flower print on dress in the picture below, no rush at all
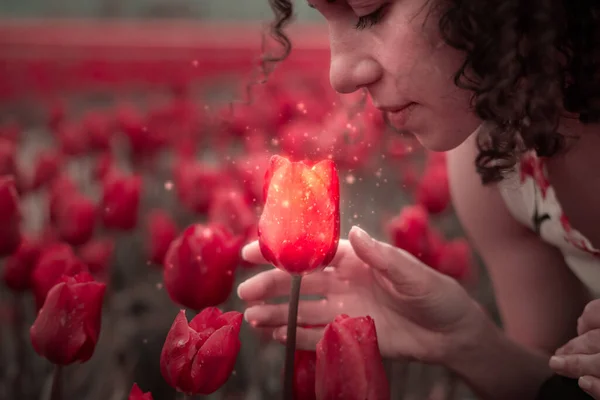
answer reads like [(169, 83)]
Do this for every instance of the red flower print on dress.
[(533, 166), (573, 237)]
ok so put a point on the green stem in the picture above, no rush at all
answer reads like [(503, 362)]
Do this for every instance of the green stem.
[(56, 393), (290, 343)]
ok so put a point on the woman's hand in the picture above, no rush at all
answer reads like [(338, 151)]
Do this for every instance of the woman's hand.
[(580, 358), (419, 313)]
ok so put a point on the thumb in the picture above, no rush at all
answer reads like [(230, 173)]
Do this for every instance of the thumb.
[(407, 273)]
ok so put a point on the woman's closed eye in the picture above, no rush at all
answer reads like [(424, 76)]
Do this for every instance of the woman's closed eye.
[(369, 20)]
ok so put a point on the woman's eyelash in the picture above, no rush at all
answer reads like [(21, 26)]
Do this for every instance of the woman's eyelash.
[(367, 21)]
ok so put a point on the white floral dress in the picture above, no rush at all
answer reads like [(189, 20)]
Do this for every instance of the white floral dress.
[(531, 199)]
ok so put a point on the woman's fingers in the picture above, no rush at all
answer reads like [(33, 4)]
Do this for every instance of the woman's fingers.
[(252, 254), (590, 319), (588, 343), (591, 385), (276, 283), (315, 312), (306, 338), (576, 365)]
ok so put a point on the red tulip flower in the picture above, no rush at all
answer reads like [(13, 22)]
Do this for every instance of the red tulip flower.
[(73, 139), (305, 363), (8, 163), (161, 231), (54, 261), (67, 326), (19, 266), (10, 216), (46, 169), (349, 365), (137, 394), (197, 358), (410, 231), (299, 228), (200, 264), (195, 183), (120, 201), (75, 218), (97, 255), (98, 127), (433, 190)]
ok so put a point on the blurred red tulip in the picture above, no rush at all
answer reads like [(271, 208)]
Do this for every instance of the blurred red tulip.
[(56, 114), (61, 187), (250, 169), (120, 201), (73, 139), (305, 139), (75, 218), (162, 230), (410, 231), (197, 358), (103, 166), (45, 169), (433, 191), (304, 375), (349, 365), (53, 262), (195, 183), (100, 128), (231, 208), (299, 229), (11, 131), (137, 394), (10, 217), (8, 154), (200, 264), (67, 326), (455, 260), (97, 255), (19, 266)]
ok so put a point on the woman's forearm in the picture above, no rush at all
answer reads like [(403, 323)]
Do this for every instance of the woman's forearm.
[(497, 368)]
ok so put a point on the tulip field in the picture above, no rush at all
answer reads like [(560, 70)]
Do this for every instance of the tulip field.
[(135, 164)]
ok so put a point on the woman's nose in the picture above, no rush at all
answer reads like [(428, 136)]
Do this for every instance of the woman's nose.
[(350, 70)]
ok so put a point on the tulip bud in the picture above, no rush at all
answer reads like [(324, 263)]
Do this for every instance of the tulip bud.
[(137, 394), (349, 364), (161, 231), (67, 326), (10, 216), (197, 358), (19, 266), (46, 168), (120, 201), (200, 264), (299, 228), (54, 261)]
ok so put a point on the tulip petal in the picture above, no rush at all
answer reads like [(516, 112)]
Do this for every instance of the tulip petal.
[(215, 360), (174, 357), (207, 318)]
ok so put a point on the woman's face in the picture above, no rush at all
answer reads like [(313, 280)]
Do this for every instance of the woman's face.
[(395, 51)]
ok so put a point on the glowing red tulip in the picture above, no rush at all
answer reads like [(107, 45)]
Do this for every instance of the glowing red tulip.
[(299, 228), (67, 326), (200, 264), (10, 216), (349, 365), (137, 394), (197, 358), (161, 233)]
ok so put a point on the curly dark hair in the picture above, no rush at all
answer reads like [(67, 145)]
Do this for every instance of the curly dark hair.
[(527, 63)]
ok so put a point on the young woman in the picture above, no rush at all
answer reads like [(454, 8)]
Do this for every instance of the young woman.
[(511, 89)]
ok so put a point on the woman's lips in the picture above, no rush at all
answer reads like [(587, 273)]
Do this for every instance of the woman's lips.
[(399, 117)]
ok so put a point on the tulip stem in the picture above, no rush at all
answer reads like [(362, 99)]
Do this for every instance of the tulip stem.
[(290, 343), (56, 393)]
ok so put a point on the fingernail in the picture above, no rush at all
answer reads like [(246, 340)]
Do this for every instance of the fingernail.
[(245, 252), (557, 362), (363, 236), (585, 383), (240, 288), (250, 314)]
